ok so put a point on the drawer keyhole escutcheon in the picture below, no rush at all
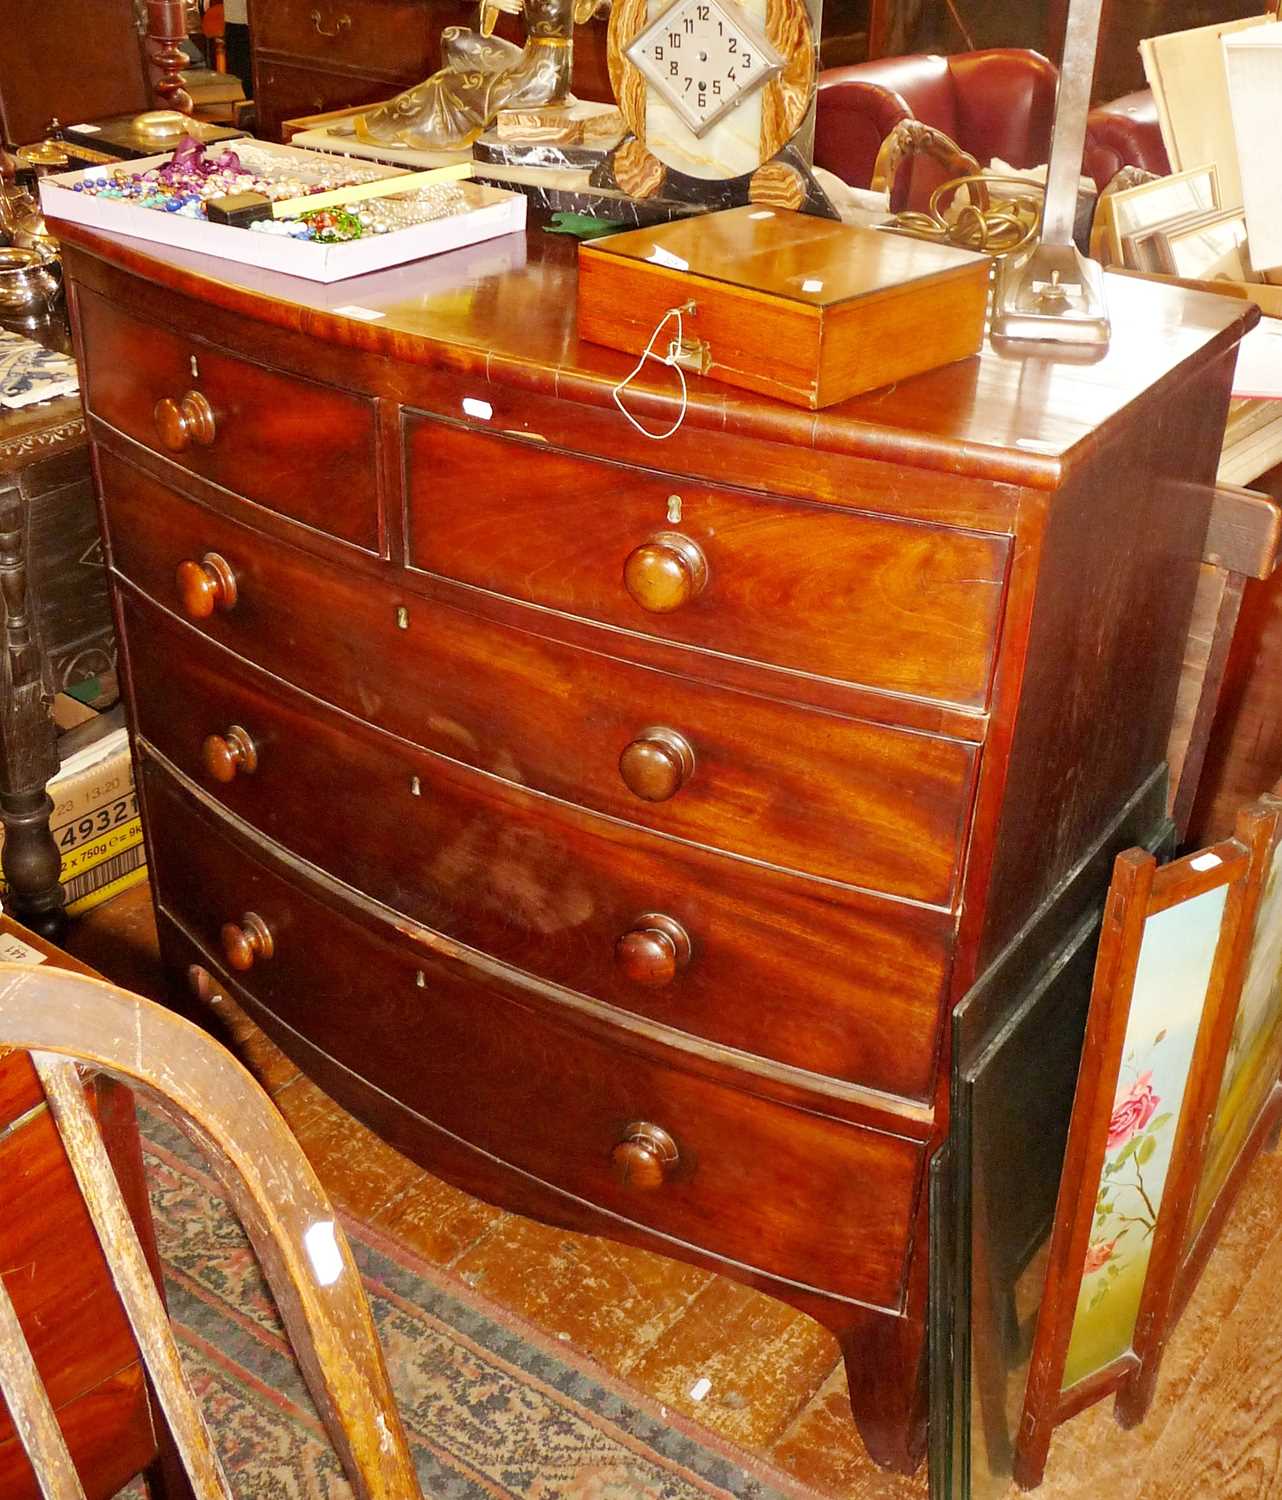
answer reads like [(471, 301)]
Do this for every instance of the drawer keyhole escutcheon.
[(657, 764), (227, 754), (206, 585), (181, 423), (645, 1157), (247, 942), (666, 572), (653, 951)]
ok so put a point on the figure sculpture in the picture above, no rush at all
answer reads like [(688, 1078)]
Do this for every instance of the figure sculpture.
[(483, 74)]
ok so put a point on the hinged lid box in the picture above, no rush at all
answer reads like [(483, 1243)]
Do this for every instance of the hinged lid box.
[(792, 306)]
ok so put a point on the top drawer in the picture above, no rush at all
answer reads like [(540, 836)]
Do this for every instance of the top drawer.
[(390, 35), (895, 605), (301, 449)]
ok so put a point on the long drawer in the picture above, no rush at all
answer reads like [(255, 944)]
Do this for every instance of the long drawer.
[(749, 1179), (385, 35), (876, 807), (895, 605), (294, 446), (285, 91), (832, 981)]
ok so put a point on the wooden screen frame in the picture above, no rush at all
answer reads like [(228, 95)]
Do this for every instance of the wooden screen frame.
[(1139, 890), (1198, 1248)]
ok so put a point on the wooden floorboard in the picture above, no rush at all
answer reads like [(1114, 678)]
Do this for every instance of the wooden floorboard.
[(773, 1381)]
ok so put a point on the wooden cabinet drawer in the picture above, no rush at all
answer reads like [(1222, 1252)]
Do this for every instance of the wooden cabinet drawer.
[(806, 973), (387, 36), (284, 91), (872, 806), (296, 447), (752, 1180), (896, 605)]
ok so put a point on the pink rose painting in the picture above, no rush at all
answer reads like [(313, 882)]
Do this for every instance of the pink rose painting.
[(1099, 1255), (1133, 1111)]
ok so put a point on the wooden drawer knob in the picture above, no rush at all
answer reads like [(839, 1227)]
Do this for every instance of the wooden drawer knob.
[(657, 764), (645, 1157), (653, 951), (665, 573), (243, 944), (206, 585), (179, 424), (226, 754)]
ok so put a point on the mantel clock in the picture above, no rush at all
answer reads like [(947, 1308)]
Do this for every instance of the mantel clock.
[(718, 100)]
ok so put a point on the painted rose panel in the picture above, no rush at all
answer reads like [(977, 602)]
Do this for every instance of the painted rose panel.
[(1177, 954)]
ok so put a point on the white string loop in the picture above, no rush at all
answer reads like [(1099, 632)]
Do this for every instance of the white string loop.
[(671, 358)]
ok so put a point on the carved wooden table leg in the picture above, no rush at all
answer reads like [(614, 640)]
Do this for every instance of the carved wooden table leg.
[(28, 742)]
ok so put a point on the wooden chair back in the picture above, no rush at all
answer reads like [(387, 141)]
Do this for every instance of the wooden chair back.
[(64, 1020)]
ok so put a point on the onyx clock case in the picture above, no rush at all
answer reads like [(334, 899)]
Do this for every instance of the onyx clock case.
[(615, 825)]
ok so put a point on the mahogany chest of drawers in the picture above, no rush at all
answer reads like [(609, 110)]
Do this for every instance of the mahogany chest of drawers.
[(614, 823)]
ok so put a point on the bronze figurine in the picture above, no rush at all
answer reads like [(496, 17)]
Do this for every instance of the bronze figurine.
[(483, 74)]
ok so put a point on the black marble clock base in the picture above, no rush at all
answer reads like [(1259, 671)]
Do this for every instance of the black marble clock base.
[(571, 191), (786, 181)]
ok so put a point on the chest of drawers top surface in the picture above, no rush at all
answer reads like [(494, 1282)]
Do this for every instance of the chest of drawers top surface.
[(502, 316)]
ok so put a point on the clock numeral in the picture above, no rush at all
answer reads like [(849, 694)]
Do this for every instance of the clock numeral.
[(732, 76), (689, 81), (716, 86), (658, 52), (688, 23), (733, 44), (674, 39), (673, 68), (747, 61), (721, 28), (703, 12)]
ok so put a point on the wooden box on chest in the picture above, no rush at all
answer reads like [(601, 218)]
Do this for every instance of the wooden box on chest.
[(614, 824), (803, 309)]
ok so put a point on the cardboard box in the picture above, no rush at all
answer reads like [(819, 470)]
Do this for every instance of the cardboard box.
[(491, 212), (95, 820)]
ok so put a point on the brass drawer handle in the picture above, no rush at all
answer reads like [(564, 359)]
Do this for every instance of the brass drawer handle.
[(181, 423), (657, 764), (247, 941), (226, 754), (205, 586), (646, 1156), (342, 24), (666, 572), (653, 951)]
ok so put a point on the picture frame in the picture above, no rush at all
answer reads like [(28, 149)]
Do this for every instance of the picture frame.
[(1248, 1107), (1212, 247), (1144, 251), (1133, 211), (1168, 974)]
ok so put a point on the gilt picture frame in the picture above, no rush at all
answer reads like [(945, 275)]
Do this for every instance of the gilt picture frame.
[(1167, 979), (1136, 210)]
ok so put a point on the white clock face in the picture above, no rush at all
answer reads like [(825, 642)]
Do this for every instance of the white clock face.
[(704, 56)]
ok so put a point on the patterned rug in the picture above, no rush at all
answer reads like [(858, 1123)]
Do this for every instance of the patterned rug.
[(492, 1406)]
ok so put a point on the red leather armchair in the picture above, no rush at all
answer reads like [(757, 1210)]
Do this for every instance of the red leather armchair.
[(998, 103), (1124, 133)]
